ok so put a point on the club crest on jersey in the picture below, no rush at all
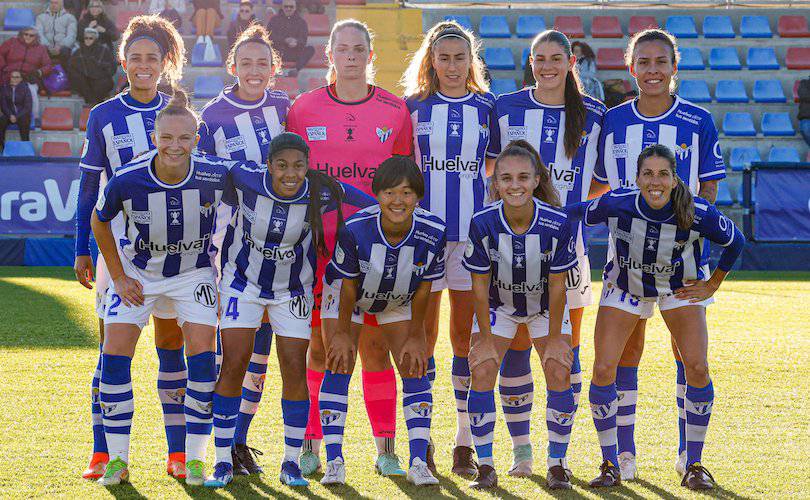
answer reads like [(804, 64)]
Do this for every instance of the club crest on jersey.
[(175, 216), (423, 409), (584, 138), (419, 268), (484, 131), (384, 133), (651, 244), (206, 294), (454, 126), (682, 151), (330, 416), (545, 256), (550, 132), (207, 209)]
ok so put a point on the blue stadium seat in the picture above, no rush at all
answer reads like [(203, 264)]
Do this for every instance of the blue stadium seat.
[(761, 58), (529, 26), (724, 58), (718, 27), (784, 155), (742, 157), (738, 124), (19, 148), (777, 124), (498, 58), (464, 21), (755, 27), (768, 91), (502, 86), (525, 57), (199, 59), (494, 27), (682, 26), (691, 58), (694, 90), (17, 19), (207, 86), (730, 91), (724, 198)]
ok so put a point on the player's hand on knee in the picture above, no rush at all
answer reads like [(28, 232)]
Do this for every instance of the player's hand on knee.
[(83, 267), (696, 290), (414, 350), (482, 350), (558, 350), (130, 290), (340, 354)]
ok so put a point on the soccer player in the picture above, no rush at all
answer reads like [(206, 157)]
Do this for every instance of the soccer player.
[(118, 130), (383, 264), (519, 252), (351, 126), (239, 124), (656, 116), (563, 124), (656, 243), (169, 198), (268, 261), (450, 109)]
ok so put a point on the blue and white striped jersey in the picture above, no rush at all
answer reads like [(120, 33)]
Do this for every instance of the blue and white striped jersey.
[(387, 275), (520, 264), (240, 130), (167, 227), (450, 141), (268, 250), (686, 129), (651, 257)]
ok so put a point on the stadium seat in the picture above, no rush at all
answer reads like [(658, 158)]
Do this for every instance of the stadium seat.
[(287, 84), (53, 149), (203, 57), (763, 58), (718, 27), (123, 17), (796, 90), (682, 26), (17, 19), (738, 125), (755, 27), (641, 23), (724, 58), (694, 90), (730, 91), (606, 27), (464, 21), (58, 93), (524, 55), (742, 157), (19, 148), (318, 24), (350, 2), (57, 118), (724, 198), (319, 58), (498, 58), (207, 86), (570, 25), (784, 155), (792, 27), (83, 119), (502, 86), (610, 58), (798, 58), (777, 124), (768, 91), (494, 27), (529, 26), (691, 58)]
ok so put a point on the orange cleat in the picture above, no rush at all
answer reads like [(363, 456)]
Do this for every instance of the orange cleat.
[(98, 462), (176, 465)]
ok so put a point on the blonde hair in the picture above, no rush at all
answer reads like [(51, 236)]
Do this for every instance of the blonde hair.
[(420, 78), (363, 28)]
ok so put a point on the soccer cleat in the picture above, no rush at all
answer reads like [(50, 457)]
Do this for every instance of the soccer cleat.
[(195, 473), (680, 464), (176, 465), (485, 479), (98, 462), (522, 461), (388, 465), (222, 476), (609, 476), (335, 472), (697, 478), (558, 478), (627, 466), (420, 475), (431, 451), (238, 468), (463, 462), (291, 474), (115, 473), (247, 460), (310, 463)]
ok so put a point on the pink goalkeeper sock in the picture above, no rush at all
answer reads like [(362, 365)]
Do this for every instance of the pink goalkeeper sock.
[(314, 430), (380, 396)]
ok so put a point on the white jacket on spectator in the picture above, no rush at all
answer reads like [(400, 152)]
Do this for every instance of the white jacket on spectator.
[(59, 29), (158, 6)]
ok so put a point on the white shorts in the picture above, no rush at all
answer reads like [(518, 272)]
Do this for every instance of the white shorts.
[(642, 307), (330, 308), (161, 310), (505, 325), (578, 284), (289, 318), (456, 277), (193, 296)]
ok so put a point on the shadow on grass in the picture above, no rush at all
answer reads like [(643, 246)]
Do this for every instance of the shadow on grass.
[(259, 485), (124, 491)]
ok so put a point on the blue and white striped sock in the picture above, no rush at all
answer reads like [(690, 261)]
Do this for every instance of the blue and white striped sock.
[(225, 412), (576, 378), (698, 403), (517, 395), (680, 394), (219, 351), (295, 415), (253, 384), (481, 408), (334, 403), (99, 441), (431, 370), (559, 421), (460, 371), (604, 404), (417, 405), (117, 403), (171, 385), (202, 374), (627, 394)]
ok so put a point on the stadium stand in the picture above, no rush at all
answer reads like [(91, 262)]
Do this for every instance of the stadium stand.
[(503, 86), (498, 58), (785, 155), (610, 58), (793, 27), (691, 59), (570, 25), (755, 27), (767, 91), (57, 118), (738, 124), (724, 198), (464, 21), (606, 27), (695, 91), (682, 26), (641, 23), (777, 124), (85, 114), (724, 58), (761, 58), (318, 61), (202, 57), (494, 27), (741, 157), (56, 149), (529, 26), (18, 18), (718, 27), (17, 149), (207, 86), (798, 58), (730, 91), (318, 24)]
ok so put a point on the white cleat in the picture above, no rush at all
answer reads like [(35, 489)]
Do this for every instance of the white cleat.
[(335, 472), (522, 462), (420, 475), (627, 466), (680, 464)]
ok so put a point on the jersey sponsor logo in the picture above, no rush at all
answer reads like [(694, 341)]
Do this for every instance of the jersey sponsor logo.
[(202, 175), (141, 216), (619, 151), (275, 253), (650, 137), (122, 141), (521, 287), (175, 216), (235, 144), (300, 308), (718, 153), (687, 117), (206, 294), (396, 298), (723, 223), (651, 268), (465, 168), (178, 247), (349, 172), (316, 133), (383, 133), (515, 132), (423, 236), (424, 128), (623, 235), (563, 179)]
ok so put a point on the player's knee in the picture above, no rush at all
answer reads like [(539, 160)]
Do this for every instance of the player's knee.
[(632, 353), (697, 372), (484, 375), (603, 372), (557, 375)]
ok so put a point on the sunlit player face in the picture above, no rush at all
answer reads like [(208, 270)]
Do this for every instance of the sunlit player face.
[(550, 65), (653, 67), (451, 61), (655, 180), (288, 168), (398, 203), (350, 54), (175, 136), (515, 180), (143, 64), (253, 68)]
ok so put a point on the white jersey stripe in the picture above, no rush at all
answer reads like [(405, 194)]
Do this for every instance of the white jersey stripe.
[(438, 149)]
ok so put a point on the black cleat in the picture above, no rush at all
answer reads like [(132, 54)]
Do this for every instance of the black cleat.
[(431, 450), (609, 477), (486, 478), (238, 468), (558, 478), (463, 462), (246, 456), (697, 478)]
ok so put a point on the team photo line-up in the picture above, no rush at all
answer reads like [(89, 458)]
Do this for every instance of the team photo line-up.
[(334, 223)]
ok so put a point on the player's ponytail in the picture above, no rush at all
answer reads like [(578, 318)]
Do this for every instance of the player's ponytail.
[(683, 204), (163, 33), (179, 105), (545, 190), (318, 181)]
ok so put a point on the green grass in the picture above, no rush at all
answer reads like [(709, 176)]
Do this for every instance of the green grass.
[(758, 444)]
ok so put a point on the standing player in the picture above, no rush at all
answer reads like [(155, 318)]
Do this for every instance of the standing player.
[(118, 130), (168, 198), (239, 124), (563, 124), (656, 243), (385, 258), (656, 116), (351, 126), (450, 108)]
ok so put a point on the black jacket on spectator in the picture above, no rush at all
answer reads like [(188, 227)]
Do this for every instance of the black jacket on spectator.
[(237, 27), (90, 70), (282, 27), (15, 100), (804, 99), (108, 37)]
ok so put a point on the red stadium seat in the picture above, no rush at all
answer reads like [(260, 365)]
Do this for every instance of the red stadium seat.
[(123, 17), (641, 23), (315, 83), (796, 90), (570, 25), (83, 119), (606, 27), (60, 93), (318, 24), (287, 84), (792, 27), (319, 59), (798, 58), (56, 118), (52, 149), (610, 58)]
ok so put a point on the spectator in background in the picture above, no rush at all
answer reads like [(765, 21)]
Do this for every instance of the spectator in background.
[(207, 17), (75, 7), (16, 105), (25, 54), (169, 9), (91, 68), (96, 18), (244, 19), (57, 31), (289, 33), (804, 109), (586, 64)]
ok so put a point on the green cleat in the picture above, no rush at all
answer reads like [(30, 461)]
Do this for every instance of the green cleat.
[(115, 473), (310, 463), (522, 461), (195, 473), (388, 465)]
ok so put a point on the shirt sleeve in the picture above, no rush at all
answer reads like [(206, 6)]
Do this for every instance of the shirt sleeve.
[(88, 194), (716, 227), (711, 165), (437, 267), (110, 203), (565, 254), (354, 197), (206, 144), (476, 255), (344, 259), (292, 122), (494, 147), (599, 172), (94, 155), (404, 141), (229, 193), (595, 211)]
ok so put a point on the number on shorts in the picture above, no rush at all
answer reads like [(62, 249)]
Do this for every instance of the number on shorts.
[(116, 301), (231, 311), (491, 318), (633, 301)]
